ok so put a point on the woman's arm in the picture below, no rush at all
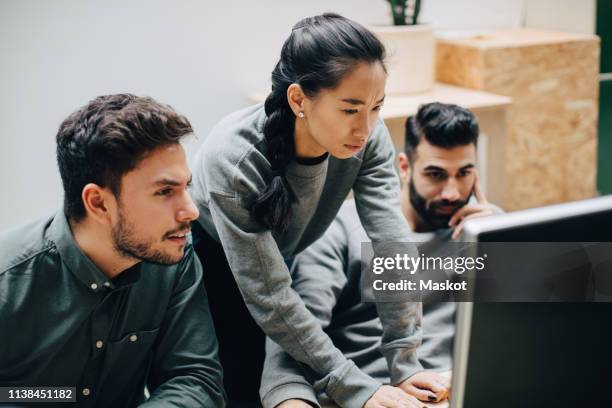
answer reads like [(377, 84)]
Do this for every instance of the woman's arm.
[(318, 277), (265, 284), (377, 199)]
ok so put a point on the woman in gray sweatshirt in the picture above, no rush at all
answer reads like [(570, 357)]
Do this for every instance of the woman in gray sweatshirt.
[(269, 180)]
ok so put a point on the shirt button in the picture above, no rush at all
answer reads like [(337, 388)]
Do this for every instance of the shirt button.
[(99, 344), (93, 286), (133, 338), (86, 391), (107, 284)]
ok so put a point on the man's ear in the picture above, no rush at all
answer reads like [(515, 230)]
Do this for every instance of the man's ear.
[(296, 98), (97, 201), (404, 167)]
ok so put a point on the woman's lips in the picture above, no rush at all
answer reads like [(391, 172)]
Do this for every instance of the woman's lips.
[(354, 148)]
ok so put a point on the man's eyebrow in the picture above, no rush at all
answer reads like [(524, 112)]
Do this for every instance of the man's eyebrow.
[(353, 101), (170, 182), (468, 166), (432, 167)]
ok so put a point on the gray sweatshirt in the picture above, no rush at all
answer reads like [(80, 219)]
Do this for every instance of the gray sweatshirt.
[(327, 276), (229, 172)]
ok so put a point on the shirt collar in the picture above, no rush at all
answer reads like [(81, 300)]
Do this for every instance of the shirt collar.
[(79, 264)]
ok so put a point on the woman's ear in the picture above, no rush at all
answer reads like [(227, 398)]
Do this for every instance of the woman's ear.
[(296, 99), (404, 167)]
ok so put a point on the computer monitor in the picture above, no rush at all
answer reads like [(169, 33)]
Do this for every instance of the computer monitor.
[(537, 354)]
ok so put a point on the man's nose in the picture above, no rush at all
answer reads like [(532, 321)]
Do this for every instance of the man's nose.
[(451, 191), (188, 211)]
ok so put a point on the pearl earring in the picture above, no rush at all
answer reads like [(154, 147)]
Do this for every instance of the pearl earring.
[(301, 114)]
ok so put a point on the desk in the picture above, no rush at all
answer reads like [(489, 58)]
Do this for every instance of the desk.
[(490, 110)]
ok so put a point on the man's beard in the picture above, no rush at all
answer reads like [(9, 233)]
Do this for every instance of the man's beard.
[(129, 245), (427, 213)]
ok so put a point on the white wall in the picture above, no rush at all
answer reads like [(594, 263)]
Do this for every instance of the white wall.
[(201, 56), (562, 15)]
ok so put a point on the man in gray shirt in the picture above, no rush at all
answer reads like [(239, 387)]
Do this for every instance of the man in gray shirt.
[(106, 295), (438, 177)]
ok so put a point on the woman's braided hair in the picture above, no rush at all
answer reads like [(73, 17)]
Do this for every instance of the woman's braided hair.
[(320, 51)]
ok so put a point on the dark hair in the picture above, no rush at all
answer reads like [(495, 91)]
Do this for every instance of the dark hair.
[(108, 137), (443, 125), (320, 51)]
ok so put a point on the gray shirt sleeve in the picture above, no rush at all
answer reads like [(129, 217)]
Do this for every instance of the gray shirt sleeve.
[(265, 284), (283, 379), (378, 204), (319, 277)]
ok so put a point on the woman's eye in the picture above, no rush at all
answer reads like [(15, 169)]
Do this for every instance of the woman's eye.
[(350, 111)]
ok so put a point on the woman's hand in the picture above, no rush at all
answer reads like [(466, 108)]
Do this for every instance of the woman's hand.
[(392, 397), (294, 403), (427, 386)]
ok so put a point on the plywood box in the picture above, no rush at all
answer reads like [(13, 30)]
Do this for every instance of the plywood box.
[(553, 79)]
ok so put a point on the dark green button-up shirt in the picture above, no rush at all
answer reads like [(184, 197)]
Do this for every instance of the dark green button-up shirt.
[(64, 323)]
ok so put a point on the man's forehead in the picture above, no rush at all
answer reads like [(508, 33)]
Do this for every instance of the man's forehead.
[(455, 157), (146, 178), (162, 164), (175, 179), (426, 150)]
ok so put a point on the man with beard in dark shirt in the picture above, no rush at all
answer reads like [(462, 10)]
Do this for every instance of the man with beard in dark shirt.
[(106, 295)]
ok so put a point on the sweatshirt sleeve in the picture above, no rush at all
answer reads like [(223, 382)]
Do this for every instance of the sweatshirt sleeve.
[(318, 277), (283, 379), (378, 204), (265, 284)]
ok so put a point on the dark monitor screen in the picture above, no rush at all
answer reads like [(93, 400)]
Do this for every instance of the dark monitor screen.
[(579, 221), (537, 354)]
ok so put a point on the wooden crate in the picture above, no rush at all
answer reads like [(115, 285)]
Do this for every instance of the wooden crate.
[(551, 136)]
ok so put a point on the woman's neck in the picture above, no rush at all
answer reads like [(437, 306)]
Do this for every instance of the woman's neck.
[(305, 145)]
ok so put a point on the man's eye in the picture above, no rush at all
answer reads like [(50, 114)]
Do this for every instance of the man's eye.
[(377, 108), (350, 111), (164, 192), (436, 175), (464, 173)]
